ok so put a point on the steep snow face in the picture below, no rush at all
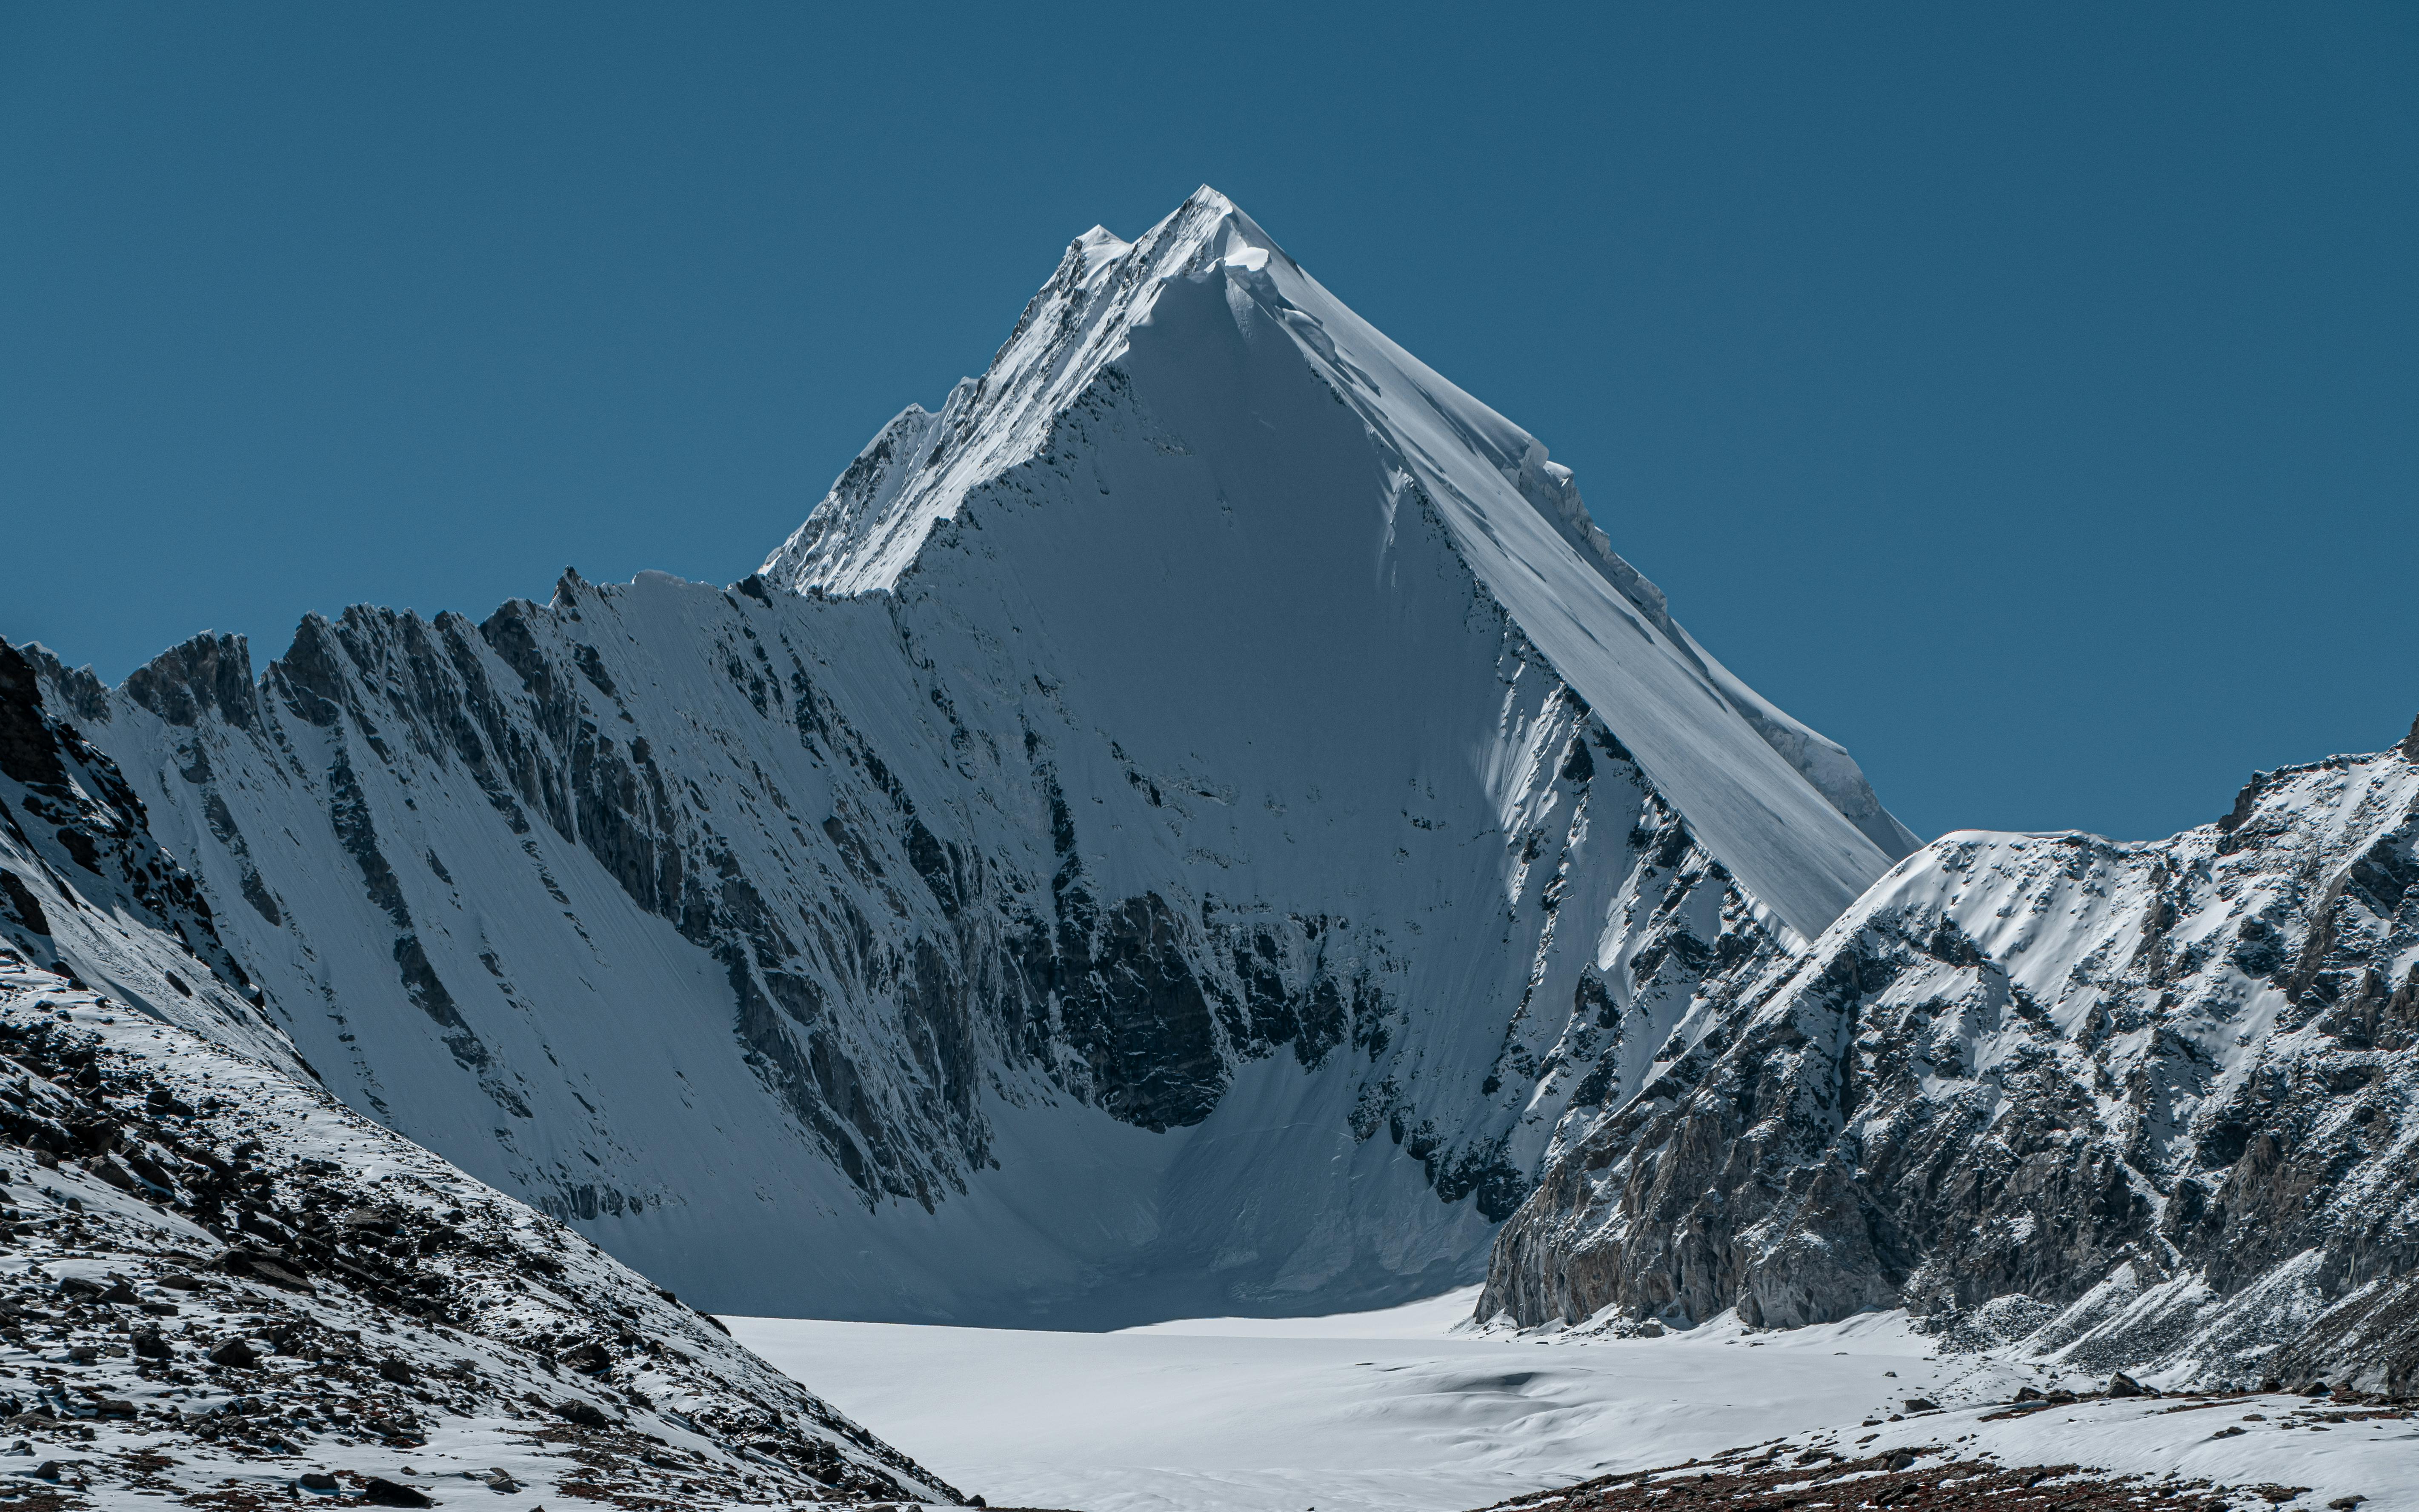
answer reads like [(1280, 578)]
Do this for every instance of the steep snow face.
[(795, 969), (2143, 1105), (1229, 346), (1187, 828)]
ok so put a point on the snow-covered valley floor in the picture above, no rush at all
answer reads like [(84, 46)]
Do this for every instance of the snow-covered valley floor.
[(1410, 1411)]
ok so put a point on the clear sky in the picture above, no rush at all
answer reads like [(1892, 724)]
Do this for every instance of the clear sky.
[(2026, 395)]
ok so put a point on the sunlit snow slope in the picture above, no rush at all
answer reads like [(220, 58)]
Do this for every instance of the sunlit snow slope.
[(1186, 828)]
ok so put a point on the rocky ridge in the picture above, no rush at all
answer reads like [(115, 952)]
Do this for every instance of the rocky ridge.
[(2145, 1106), (2125, 1445)]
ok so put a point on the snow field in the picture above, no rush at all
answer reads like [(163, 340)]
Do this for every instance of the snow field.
[(1412, 1410)]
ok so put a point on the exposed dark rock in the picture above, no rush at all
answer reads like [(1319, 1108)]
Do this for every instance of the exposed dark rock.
[(379, 1492), (206, 674), (278, 1271), (1755, 1480), (1896, 1120), (20, 900), (588, 1358), (1136, 1013)]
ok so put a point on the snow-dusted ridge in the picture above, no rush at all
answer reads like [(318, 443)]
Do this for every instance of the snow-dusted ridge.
[(1193, 825), (2147, 1106)]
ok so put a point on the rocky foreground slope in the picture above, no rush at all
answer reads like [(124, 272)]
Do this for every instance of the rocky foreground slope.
[(2148, 1107), (221, 1286), (2051, 1452)]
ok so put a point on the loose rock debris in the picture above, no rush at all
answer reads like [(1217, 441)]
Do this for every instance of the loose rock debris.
[(220, 1288), (1931, 1479)]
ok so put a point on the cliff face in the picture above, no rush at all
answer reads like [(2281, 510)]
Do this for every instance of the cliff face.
[(2142, 1106), (85, 886)]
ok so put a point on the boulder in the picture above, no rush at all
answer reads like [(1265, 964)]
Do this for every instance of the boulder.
[(379, 1492)]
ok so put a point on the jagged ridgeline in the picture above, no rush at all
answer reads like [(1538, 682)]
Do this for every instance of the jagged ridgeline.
[(1193, 825), (2142, 1106)]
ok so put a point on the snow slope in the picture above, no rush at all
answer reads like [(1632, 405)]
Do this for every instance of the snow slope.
[(1412, 1410), (1219, 333), (1192, 826)]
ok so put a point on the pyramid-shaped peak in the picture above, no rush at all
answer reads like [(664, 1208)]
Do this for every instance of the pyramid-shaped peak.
[(1215, 339), (1097, 248)]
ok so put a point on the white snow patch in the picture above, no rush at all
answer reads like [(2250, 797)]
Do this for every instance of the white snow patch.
[(1409, 1410)]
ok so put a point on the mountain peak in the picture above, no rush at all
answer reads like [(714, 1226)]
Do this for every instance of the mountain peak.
[(1097, 248), (867, 531), (1231, 328)]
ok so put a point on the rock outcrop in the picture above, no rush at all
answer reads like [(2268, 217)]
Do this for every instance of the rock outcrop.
[(2134, 1105)]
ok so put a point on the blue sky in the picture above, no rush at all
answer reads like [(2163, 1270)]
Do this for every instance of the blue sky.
[(2025, 395)]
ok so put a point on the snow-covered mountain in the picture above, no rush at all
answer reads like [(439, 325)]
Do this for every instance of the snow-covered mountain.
[(1191, 825), (2129, 1105)]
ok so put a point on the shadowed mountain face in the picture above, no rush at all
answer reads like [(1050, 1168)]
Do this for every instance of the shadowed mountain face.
[(1193, 825)]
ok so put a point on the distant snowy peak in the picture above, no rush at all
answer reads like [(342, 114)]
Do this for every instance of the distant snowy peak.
[(1785, 808)]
